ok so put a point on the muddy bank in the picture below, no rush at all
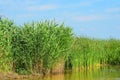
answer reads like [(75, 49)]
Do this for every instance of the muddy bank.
[(14, 76)]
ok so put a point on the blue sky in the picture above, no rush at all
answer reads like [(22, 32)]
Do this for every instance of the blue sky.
[(92, 18)]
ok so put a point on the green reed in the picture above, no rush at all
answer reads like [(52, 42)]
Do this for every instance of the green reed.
[(38, 47)]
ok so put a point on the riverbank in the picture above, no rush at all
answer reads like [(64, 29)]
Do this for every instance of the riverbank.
[(107, 72), (48, 48), (15, 76)]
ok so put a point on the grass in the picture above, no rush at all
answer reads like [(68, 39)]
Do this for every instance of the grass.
[(88, 52), (34, 47), (38, 47)]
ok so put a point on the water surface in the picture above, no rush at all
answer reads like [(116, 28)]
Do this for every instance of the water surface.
[(103, 73)]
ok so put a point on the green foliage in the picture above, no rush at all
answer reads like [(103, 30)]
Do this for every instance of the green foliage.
[(113, 51), (6, 27), (33, 47), (37, 47), (89, 52)]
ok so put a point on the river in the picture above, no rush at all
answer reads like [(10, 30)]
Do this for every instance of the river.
[(102, 73)]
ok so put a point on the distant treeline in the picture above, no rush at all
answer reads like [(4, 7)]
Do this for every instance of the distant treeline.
[(39, 47)]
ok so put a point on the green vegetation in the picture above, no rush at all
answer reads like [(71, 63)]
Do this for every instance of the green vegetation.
[(38, 47), (90, 52), (34, 47)]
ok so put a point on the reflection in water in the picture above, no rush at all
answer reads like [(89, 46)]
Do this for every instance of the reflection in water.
[(83, 75), (103, 73), (54, 77)]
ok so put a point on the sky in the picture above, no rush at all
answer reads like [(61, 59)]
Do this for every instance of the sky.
[(92, 18)]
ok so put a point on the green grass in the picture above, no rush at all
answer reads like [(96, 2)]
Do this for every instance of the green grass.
[(33, 47), (38, 47), (88, 52)]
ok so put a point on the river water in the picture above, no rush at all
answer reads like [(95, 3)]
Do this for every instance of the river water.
[(103, 73)]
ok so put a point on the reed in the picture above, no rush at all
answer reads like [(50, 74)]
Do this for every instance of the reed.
[(39, 47), (88, 52), (6, 27)]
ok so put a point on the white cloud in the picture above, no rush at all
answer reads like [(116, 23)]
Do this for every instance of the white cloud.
[(117, 16), (42, 7), (89, 18), (117, 9), (25, 15), (2, 2), (7, 2), (95, 17), (85, 3), (88, 3)]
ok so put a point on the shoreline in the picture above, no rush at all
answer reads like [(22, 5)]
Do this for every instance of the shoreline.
[(15, 76)]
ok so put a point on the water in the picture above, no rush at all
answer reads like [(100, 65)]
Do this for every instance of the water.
[(103, 73)]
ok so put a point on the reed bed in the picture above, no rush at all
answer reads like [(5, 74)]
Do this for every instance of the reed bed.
[(88, 52), (38, 47)]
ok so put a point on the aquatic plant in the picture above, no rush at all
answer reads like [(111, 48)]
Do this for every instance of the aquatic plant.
[(38, 47)]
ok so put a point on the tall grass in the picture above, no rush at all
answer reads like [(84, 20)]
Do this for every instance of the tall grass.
[(113, 51), (5, 44), (38, 47), (34, 47), (88, 52)]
